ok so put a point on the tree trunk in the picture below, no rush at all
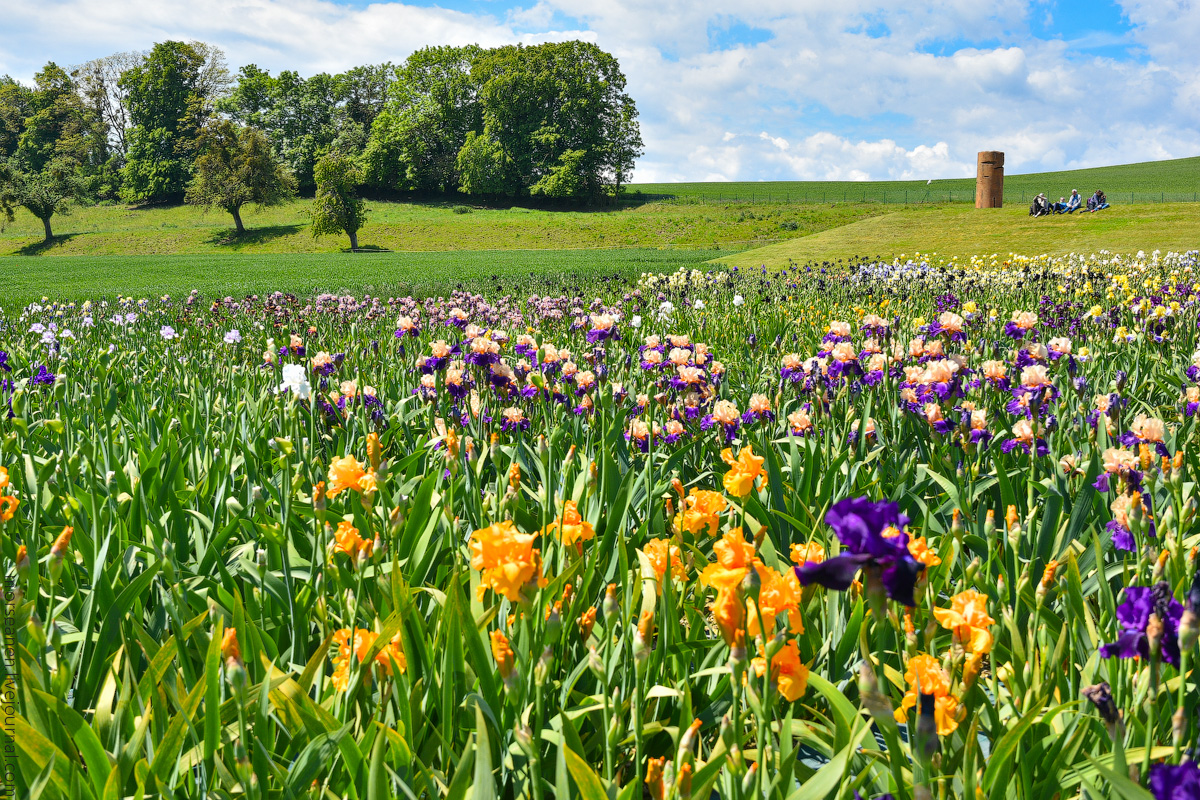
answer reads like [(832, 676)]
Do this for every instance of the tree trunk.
[(46, 225), (353, 240), (237, 220)]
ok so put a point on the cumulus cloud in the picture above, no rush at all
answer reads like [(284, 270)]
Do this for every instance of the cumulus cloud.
[(760, 89)]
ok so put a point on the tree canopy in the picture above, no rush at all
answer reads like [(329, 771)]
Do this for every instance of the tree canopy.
[(236, 166), (552, 120), (170, 123), (169, 95)]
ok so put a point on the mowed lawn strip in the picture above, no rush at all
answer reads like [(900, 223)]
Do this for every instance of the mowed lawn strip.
[(75, 278), (964, 231)]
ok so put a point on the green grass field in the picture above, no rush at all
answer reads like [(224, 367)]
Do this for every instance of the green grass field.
[(104, 250), (118, 230), (964, 231), (1177, 180), (379, 274)]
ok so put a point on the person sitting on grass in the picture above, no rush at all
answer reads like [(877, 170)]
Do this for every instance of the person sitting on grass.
[(1075, 202), (1097, 202), (1040, 207), (1060, 207)]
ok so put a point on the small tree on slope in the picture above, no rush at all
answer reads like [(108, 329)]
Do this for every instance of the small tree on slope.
[(236, 167), (44, 192), (336, 208)]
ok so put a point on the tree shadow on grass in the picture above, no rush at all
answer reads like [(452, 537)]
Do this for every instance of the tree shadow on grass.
[(42, 247), (228, 237)]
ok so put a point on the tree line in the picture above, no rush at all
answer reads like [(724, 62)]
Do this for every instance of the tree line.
[(173, 123)]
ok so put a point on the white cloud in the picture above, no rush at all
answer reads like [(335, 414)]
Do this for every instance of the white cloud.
[(841, 88)]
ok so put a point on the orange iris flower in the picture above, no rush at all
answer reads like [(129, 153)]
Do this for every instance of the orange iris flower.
[(925, 674), (506, 558), (701, 512), (353, 645), (788, 674), (744, 472), (570, 526), (659, 552), (348, 473)]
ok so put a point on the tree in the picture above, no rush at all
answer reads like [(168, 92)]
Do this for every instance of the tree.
[(432, 106), (307, 118), (59, 124), (99, 81), (569, 178), (169, 96), (481, 167), (15, 108), (236, 166), (623, 141), (44, 192), (336, 207), (558, 111), (363, 91)]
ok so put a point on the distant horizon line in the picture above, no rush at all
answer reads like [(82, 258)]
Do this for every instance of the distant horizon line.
[(912, 180)]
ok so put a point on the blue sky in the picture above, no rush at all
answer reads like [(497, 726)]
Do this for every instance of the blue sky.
[(753, 90)]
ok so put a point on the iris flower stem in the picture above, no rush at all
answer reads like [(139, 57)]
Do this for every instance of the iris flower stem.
[(285, 491), (1181, 702), (736, 686), (608, 749), (1151, 715), (635, 706), (539, 710), (764, 722)]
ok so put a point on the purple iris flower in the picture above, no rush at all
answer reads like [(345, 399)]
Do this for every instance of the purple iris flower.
[(1008, 445), (1014, 331), (980, 436), (509, 425), (749, 417), (859, 524), (1132, 440), (847, 368), (1122, 537), (642, 444), (4, 362), (600, 334), (1175, 781), (730, 429), (44, 377), (1134, 616), (431, 364)]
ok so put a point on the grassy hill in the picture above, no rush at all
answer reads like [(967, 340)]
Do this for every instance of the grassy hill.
[(964, 231), (111, 249), (118, 230), (1177, 180)]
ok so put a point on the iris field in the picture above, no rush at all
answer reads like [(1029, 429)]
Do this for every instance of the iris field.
[(831, 531)]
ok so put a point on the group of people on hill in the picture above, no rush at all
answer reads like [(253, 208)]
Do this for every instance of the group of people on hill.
[(1043, 208)]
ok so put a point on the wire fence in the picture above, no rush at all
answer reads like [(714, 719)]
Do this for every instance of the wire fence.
[(894, 196)]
